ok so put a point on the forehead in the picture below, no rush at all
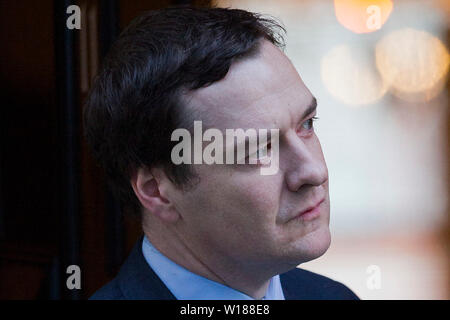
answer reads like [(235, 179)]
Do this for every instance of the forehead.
[(263, 91)]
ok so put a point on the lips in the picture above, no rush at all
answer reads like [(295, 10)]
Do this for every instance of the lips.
[(311, 212)]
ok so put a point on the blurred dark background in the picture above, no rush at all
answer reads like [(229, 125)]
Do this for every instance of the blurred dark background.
[(52, 195)]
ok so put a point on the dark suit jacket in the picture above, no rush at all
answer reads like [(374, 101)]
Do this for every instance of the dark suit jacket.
[(137, 281)]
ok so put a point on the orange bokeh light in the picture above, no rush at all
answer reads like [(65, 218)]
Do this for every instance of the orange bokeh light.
[(362, 16)]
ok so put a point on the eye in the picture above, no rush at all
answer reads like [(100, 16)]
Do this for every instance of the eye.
[(309, 124)]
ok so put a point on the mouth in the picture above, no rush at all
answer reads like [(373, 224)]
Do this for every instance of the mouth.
[(311, 212)]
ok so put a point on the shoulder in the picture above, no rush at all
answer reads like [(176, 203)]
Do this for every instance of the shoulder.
[(302, 284), (135, 281), (110, 291)]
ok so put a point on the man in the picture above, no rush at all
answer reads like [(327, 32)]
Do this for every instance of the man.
[(211, 231)]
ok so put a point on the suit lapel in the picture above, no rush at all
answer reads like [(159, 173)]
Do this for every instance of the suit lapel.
[(286, 283)]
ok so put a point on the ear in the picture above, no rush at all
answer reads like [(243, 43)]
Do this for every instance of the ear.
[(146, 188)]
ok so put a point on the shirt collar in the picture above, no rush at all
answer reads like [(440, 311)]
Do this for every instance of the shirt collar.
[(186, 285)]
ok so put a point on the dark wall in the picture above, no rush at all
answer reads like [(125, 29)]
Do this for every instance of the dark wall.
[(54, 206), (29, 162)]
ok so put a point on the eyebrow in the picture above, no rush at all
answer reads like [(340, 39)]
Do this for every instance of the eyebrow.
[(311, 107)]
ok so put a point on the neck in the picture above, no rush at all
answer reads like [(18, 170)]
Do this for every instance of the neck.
[(204, 261)]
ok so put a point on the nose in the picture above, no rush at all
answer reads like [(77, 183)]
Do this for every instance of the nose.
[(306, 164)]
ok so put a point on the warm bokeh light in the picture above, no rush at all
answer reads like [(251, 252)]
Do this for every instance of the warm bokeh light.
[(350, 76), (413, 63), (362, 16)]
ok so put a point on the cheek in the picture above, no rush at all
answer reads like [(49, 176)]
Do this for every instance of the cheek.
[(239, 201), (259, 194)]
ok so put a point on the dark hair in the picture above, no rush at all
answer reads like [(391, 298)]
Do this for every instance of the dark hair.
[(136, 100)]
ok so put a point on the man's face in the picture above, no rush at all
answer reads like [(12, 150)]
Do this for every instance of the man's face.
[(234, 211)]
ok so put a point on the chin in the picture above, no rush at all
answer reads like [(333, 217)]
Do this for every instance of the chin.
[(312, 246)]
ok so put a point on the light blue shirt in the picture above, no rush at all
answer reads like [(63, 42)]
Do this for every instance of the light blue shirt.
[(186, 285)]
